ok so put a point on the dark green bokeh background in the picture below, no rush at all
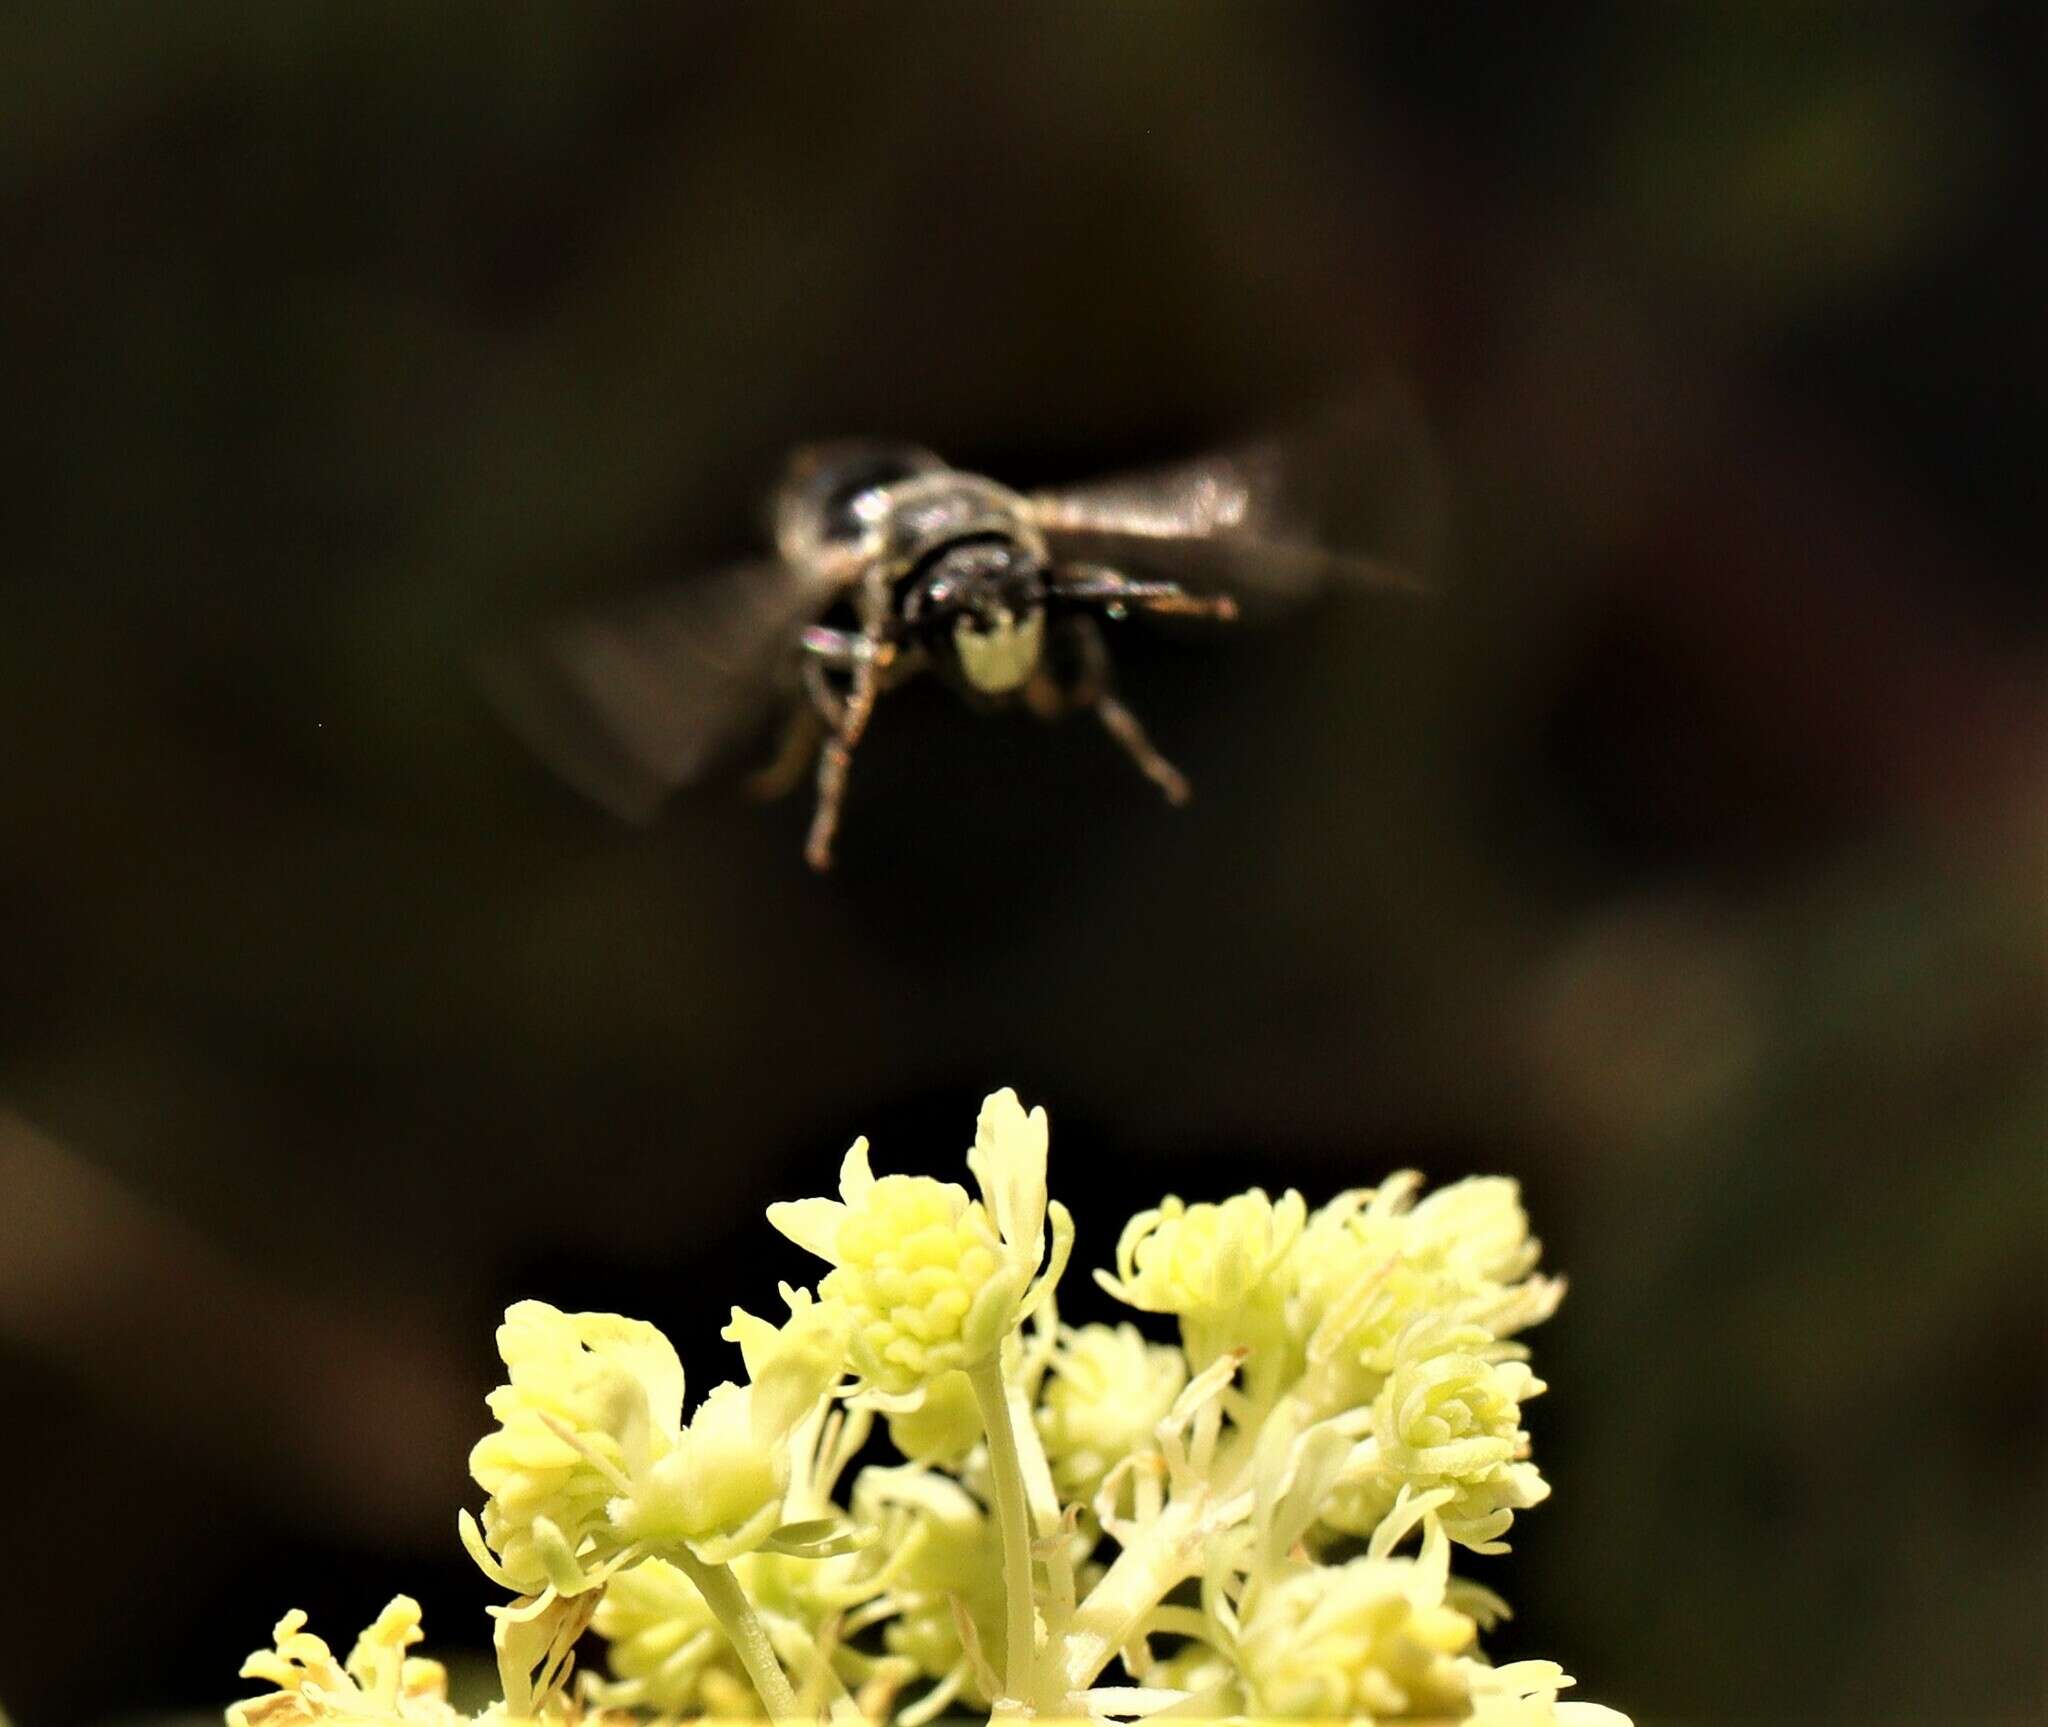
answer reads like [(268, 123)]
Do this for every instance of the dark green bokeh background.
[(1685, 858)]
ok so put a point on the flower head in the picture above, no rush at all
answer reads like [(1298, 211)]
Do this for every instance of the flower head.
[(1346, 1372), (942, 1427), (1372, 1262), (1215, 1266), (1475, 1229), (719, 1485), (1449, 1416), (1365, 1641), (948, 1551), (666, 1650), (932, 1280), (1203, 1258), (1107, 1391), (592, 1465), (590, 1400), (378, 1682)]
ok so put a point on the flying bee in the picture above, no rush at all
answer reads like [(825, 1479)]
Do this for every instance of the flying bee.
[(890, 563)]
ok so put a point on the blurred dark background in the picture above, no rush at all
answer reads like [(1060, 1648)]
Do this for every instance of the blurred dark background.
[(1684, 858)]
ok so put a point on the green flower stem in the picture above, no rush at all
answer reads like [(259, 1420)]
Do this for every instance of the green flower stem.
[(1164, 1553), (724, 1596), (1013, 1517)]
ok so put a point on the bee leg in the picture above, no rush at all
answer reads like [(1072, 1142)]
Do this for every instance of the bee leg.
[(821, 711), (801, 735), (1076, 673), (834, 761), (1116, 593), (828, 713), (874, 662), (826, 702), (871, 661), (1123, 725)]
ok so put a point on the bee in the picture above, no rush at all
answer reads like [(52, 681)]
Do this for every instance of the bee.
[(889, 564)]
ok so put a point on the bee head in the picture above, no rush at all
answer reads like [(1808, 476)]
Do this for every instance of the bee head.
[(979, 607)]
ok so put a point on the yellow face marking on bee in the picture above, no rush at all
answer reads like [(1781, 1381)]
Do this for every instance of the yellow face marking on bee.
[(998, 658)]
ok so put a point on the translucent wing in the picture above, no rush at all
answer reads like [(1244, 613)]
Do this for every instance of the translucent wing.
[(630, 702), (1357, 499)]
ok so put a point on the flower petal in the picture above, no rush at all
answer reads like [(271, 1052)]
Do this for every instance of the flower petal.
[(855, 1177), (813, 1224), (1008, 1160)]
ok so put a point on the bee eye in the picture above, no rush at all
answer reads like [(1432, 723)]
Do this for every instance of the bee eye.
[(849, 486)]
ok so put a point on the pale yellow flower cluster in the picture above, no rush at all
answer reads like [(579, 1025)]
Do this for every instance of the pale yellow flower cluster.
[(718, 1489), (1107, 1391), (1524, 1694), (1371, 1640), (1347, 1372), (592, 1465), (1373, 1261), (930, 1279), (1380, 1307), (581, 1388), (666, 1650), (1448, 1416), (950, 1576), (378, 1682), (1219, 1269), (669, 1654)]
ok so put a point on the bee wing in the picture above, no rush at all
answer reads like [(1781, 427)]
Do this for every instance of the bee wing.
[(1356, 500), (629, 702)]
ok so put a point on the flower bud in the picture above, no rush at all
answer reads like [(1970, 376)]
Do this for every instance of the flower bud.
[(1218, 1268), (930, 1279), (1524, 1694), (949, 1550), (667, 1651), (1476, 1229), (590, 1400), (1372, 1262), (719, 1487), (1449, 1416), (943, 1428), (1107, 1391), (1363, 1641), (378, 1683), (592, 1465)]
